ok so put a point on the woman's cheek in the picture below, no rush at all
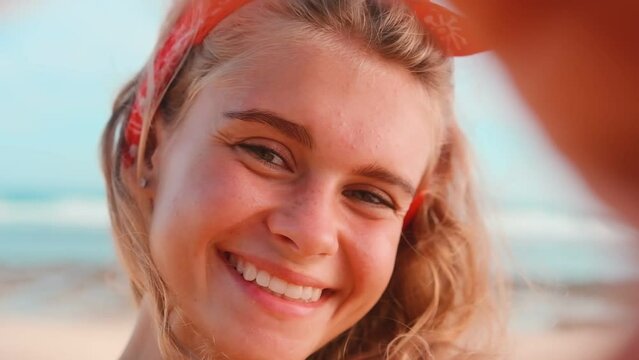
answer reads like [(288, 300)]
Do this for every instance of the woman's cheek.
[(194, 206), (223, 193), (372, 258)]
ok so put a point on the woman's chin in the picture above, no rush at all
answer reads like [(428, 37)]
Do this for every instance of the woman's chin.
[(261, 346)]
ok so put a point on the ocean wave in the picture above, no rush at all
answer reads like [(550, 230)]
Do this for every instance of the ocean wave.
[(510, 224), (547, 225), (66, 212)]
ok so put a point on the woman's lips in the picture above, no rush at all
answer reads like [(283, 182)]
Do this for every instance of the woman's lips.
[(300, 300), (251, 273)]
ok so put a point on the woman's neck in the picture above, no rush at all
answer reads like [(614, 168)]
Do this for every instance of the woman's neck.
[(143, 342)]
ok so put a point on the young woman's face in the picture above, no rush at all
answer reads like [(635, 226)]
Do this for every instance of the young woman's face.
[(280, 198)]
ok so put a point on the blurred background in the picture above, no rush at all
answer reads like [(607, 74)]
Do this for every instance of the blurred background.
[(62, 293)]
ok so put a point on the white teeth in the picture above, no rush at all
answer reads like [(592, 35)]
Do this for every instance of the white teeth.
[(307, 293), (274, 284), (317, 293), (293, 291), (250, 272), (277, 285), (263, 278), (237, 263)]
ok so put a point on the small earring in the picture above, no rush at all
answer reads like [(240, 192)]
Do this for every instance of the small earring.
[(144, 183)]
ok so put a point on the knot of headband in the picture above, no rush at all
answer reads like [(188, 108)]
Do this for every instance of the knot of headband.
[(199, 17)]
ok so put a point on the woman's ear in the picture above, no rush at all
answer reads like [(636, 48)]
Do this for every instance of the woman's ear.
[(142, 179), (151, 164)]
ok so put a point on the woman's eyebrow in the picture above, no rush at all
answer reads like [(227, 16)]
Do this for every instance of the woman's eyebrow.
[(288, 128), (380, 173), (300, 134)]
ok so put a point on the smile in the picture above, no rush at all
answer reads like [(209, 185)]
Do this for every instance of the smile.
[(273, 284)]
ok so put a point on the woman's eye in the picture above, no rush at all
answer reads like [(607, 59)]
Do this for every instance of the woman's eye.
[(369, 197), (264, 154)]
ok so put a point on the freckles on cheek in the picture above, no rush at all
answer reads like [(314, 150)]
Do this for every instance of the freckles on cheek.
[(223, 195)]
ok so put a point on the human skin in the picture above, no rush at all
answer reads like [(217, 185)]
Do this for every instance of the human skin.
[(311, 214), (577, 64)]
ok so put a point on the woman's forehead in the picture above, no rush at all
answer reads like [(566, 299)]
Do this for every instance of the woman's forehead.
[(364, 106), (324, 88)]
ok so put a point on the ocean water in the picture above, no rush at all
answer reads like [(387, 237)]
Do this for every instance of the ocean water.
[(47, 245), (57, 260), (54, 227), (60, 227)]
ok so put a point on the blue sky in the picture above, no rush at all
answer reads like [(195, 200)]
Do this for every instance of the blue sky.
[(62, 62)]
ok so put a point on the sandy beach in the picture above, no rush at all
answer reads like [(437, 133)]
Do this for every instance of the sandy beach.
[(58, 339), (67, 340), (85, 312)]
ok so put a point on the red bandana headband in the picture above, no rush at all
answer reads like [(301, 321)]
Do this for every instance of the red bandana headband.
[(199, 17)]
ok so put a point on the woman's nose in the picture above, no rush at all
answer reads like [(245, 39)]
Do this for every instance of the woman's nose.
[(306, 225)]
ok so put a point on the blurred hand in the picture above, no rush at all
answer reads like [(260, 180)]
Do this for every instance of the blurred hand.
[(577, 65)]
